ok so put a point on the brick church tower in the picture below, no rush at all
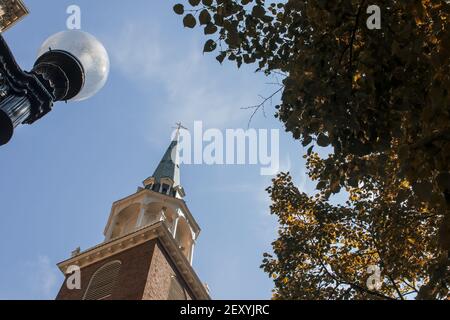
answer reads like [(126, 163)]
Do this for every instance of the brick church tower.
[(148, 248)]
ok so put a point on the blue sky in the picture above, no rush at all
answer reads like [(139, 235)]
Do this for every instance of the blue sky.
[(60, 176)]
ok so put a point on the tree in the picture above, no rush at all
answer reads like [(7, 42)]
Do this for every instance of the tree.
[(373, 247), (379, 98)]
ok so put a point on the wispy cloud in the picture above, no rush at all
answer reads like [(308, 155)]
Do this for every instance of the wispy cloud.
[(192, 89), (42, 278)]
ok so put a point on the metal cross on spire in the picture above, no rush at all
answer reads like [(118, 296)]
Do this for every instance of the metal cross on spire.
[(179, 126)]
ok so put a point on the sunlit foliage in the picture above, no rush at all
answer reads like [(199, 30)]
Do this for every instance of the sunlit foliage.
[(380, 99)]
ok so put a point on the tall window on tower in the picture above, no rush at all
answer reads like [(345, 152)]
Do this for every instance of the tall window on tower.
[(103, 281)]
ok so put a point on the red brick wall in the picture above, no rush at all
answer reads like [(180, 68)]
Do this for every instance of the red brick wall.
[(160, 275), (145, 274), (132, 278)]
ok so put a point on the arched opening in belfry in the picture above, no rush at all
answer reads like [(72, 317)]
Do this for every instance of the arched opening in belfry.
[(184, 237), (125, 221), (157, 211)]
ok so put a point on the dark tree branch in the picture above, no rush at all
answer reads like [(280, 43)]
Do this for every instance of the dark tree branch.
[(354, 285), (355, 29)]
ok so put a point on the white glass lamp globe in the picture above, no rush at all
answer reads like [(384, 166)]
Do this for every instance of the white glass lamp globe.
[(89, 51)]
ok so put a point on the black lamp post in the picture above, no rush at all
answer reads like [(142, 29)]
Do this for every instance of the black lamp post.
[(72, 65)]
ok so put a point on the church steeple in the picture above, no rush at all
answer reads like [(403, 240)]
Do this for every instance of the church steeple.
[(149, 244), (167, 167), (166, 178)]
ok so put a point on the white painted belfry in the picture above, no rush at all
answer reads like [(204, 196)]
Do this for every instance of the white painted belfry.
[(162, 215), (108, 234), (149, 205), (140, 217), (175, 226), (191, 258)]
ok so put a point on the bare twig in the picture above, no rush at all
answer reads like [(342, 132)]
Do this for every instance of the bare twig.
[(410, 286), (261, 105)]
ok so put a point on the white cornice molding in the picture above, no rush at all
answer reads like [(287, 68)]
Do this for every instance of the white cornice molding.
[(158, 230)]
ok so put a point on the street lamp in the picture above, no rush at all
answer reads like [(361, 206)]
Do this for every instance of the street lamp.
[(71, 65)]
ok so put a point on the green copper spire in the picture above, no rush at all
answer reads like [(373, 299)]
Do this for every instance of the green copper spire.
[(166, 178), (169, 166)]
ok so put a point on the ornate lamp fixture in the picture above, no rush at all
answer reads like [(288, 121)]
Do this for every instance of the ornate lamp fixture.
[(71, 65)]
